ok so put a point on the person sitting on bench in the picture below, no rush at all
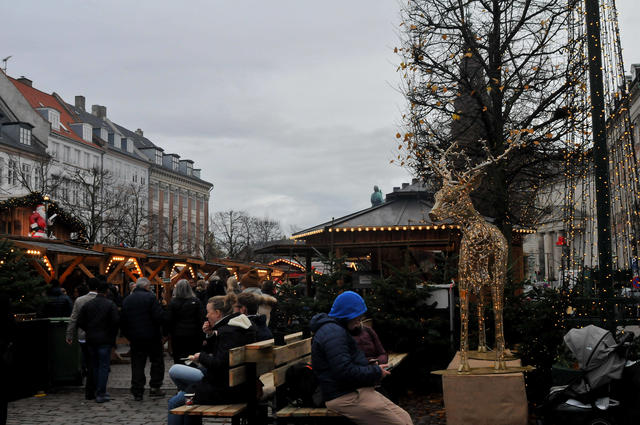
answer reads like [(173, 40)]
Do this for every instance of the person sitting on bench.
[(248, 304), (345, 376), (224, 330)]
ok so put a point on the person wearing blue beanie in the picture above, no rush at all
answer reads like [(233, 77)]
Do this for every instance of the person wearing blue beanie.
[(347, 306), (345, 376)]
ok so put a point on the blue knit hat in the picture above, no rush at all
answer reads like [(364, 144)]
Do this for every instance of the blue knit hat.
[(348, 305)]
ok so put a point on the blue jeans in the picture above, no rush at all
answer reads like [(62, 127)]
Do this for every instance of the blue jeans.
[(177, 401), (100, 359), (183, 376)]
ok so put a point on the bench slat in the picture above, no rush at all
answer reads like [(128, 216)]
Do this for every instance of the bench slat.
[(287, 411), (279, 374), (236, 356), (181, 410), (227, 411), (291, 351), (237, 376), (396, 358)]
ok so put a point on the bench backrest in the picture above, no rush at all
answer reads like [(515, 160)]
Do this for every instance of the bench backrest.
[(267, 357)]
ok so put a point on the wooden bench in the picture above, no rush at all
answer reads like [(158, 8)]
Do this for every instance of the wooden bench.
[(292, 414), (244, 364), (270, 363)]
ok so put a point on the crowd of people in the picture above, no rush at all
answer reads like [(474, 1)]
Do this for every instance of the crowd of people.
[(99, 314), (201, 323)]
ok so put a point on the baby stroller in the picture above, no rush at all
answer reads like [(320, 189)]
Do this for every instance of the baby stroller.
[(588, 398)]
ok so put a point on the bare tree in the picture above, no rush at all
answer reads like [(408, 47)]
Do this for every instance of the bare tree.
[(477, 70), (134, 230), (33, 174), (266, 230), (93, 197), (230, 231)]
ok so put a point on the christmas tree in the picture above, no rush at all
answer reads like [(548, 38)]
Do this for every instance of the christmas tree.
[(19, 280)]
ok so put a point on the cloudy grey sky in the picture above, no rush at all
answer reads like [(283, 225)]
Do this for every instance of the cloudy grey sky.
[(289, 107)]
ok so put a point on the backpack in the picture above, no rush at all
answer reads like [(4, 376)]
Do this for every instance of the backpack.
[(302, 386)]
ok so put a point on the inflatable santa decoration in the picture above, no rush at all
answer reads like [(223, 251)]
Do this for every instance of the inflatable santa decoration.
[(38, 222)]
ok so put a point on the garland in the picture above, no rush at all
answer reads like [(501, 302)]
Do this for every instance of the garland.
[(34, 198)]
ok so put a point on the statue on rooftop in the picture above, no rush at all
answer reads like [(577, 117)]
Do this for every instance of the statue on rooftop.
[(376, 196)]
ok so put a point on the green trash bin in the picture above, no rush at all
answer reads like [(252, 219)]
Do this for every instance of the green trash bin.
[(64, 359)]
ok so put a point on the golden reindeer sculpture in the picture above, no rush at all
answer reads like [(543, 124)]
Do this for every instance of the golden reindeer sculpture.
[(483, 249)]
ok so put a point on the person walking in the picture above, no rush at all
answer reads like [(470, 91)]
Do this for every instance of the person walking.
[(58, 304), (345, 376), (99, 320), (184, 322), (73, 331), (142, 318)]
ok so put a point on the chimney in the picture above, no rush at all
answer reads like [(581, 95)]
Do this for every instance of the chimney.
[(139, 132), (80, 102), (24, 80), (396, 188), (405, 185), (99, 111)]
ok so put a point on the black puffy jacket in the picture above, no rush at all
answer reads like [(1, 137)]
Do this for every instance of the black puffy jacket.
[(231, 331), (185, 317), (262, 331), (340, 366), (99, 319), (142, 316)]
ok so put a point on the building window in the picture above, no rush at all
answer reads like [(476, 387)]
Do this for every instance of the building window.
[(37, 179), (25, 136), (96, 161), (87, 160), (175, 162), (66, 154), (12, 172), (159, 157), (54, 119), (26, 175), (142, 180), (87, 133), (76, 156)]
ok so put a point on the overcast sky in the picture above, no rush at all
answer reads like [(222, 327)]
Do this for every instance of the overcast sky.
[(289, 107)]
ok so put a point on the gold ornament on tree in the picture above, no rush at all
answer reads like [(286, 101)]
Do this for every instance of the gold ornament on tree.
[(483, 249)]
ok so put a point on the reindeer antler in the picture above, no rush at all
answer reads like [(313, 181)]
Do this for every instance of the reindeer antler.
[(516, 143), (440, 166)]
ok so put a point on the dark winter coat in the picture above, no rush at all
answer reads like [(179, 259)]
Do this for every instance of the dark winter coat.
[(185, 317), (216, 287), (232, 331), (262, 331), (99, 319), (58, 304), (142, 317), (369, 343), (340, 366)]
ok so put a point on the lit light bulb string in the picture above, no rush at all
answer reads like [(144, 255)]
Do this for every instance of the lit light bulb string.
[(579, 207)]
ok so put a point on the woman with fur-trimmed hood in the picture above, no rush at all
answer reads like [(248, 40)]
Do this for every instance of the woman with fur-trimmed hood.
[(250, 282)]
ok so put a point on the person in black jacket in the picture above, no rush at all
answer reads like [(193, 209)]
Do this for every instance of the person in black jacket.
[(99, 320), (248, 304), (184, 322), (345, 376), (58, 304), (142, 318), (224, 330)]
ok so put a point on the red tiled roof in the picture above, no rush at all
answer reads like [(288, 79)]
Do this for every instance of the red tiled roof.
[(39, 99)]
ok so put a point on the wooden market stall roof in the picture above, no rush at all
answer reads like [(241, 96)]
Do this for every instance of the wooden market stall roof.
[(54, 254)]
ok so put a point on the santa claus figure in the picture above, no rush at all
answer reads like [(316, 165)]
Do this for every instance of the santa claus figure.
[(38, 222)]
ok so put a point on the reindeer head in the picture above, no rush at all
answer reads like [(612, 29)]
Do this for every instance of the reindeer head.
[(452, 201)]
